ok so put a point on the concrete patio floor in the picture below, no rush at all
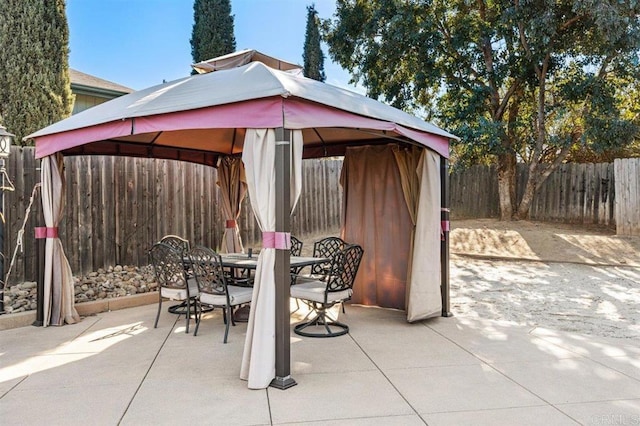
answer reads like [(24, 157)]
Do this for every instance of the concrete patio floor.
[(115, 368)]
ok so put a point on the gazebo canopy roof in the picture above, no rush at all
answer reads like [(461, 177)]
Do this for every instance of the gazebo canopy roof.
[(202, 116), (243, 57)]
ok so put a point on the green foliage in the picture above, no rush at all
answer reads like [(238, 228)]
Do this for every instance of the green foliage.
[(212, 34), (313, 56), (34, 65), (468, 63), (538, 80)]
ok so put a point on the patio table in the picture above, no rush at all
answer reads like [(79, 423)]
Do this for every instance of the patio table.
[(245, 261)]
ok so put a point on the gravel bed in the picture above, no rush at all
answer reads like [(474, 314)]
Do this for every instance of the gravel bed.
[(115, 281)]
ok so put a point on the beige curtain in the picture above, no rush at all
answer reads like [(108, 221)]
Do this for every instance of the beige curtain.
[(258, 357), (233, 188), (424, 296), (407, 160), (59, 298), (375, 215)]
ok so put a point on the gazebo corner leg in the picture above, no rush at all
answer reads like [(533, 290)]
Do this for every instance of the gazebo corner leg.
[(283, 379), (444, 245)]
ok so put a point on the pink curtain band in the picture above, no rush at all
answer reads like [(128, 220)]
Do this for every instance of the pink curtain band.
[(276, 240), (231, 224), (43, 232), (445, 209), (445, 225)]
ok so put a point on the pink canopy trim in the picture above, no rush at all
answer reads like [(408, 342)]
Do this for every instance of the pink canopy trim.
[(302, 115), (263, 113), (56, 142), (260, 113)]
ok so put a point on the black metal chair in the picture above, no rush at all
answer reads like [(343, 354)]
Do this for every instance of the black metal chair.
[(177, 243), (173, 282), (321, 295), (213, 289), (295, 250), (183, 246), (296, 246), (326, 247)]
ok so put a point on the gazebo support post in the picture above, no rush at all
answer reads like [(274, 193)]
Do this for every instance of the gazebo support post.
[(283, 379), (40, 249), (444, 245)]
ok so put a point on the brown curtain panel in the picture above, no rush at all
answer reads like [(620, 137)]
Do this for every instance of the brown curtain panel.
[(375, 215), (233, 188)]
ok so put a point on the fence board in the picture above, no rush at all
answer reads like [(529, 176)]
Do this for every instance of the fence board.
[(627, 196), (573, 193)]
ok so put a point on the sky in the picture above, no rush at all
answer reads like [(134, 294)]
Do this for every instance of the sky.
[(140, 43)]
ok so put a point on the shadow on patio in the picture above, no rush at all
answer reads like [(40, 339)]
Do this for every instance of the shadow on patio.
[(114, 368)]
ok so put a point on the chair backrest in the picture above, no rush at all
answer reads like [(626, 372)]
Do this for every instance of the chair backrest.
[(206, 265), (327, 247), (296, 246), (344, 268), (168, 264), (176, 242)]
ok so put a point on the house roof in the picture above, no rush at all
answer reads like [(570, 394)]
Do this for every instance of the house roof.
[(90, 84)]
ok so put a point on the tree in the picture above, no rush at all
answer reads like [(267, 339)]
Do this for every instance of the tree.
[(516, 80), (212, 34), (313, 56), (35, 89)]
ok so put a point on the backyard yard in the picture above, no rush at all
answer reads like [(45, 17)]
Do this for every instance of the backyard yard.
[(570, 278)]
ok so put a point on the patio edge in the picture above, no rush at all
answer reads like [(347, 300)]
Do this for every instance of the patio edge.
[(23, 319)]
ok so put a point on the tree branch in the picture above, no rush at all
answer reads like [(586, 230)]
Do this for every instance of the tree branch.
[(546, 171), (454, 52), (505, 100)]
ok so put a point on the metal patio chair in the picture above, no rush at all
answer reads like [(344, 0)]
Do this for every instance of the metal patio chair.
[(173, 282), (213, 287), (183, 246), (321, 295), (326, 247), (177, 243)]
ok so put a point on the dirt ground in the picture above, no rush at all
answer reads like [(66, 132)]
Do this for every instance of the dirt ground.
[(569, 278)]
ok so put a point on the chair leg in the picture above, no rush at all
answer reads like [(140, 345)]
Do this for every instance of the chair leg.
[(159, 308), (321, 320), (198, 308), (297, 306), (226, 325), (188, 315), (231, 316)]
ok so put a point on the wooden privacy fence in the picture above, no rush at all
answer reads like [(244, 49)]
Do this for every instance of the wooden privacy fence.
[(573, 193), (117, 207), (627, 196)]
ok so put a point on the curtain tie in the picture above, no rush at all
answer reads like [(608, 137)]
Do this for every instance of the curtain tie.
[(276, 240), (45, 232), (231, 223)]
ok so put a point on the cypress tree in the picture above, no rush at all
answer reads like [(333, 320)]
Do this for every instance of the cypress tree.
[(212, 33), (35, 89), (313, 56)]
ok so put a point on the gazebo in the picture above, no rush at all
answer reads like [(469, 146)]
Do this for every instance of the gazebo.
[(251, 106)]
